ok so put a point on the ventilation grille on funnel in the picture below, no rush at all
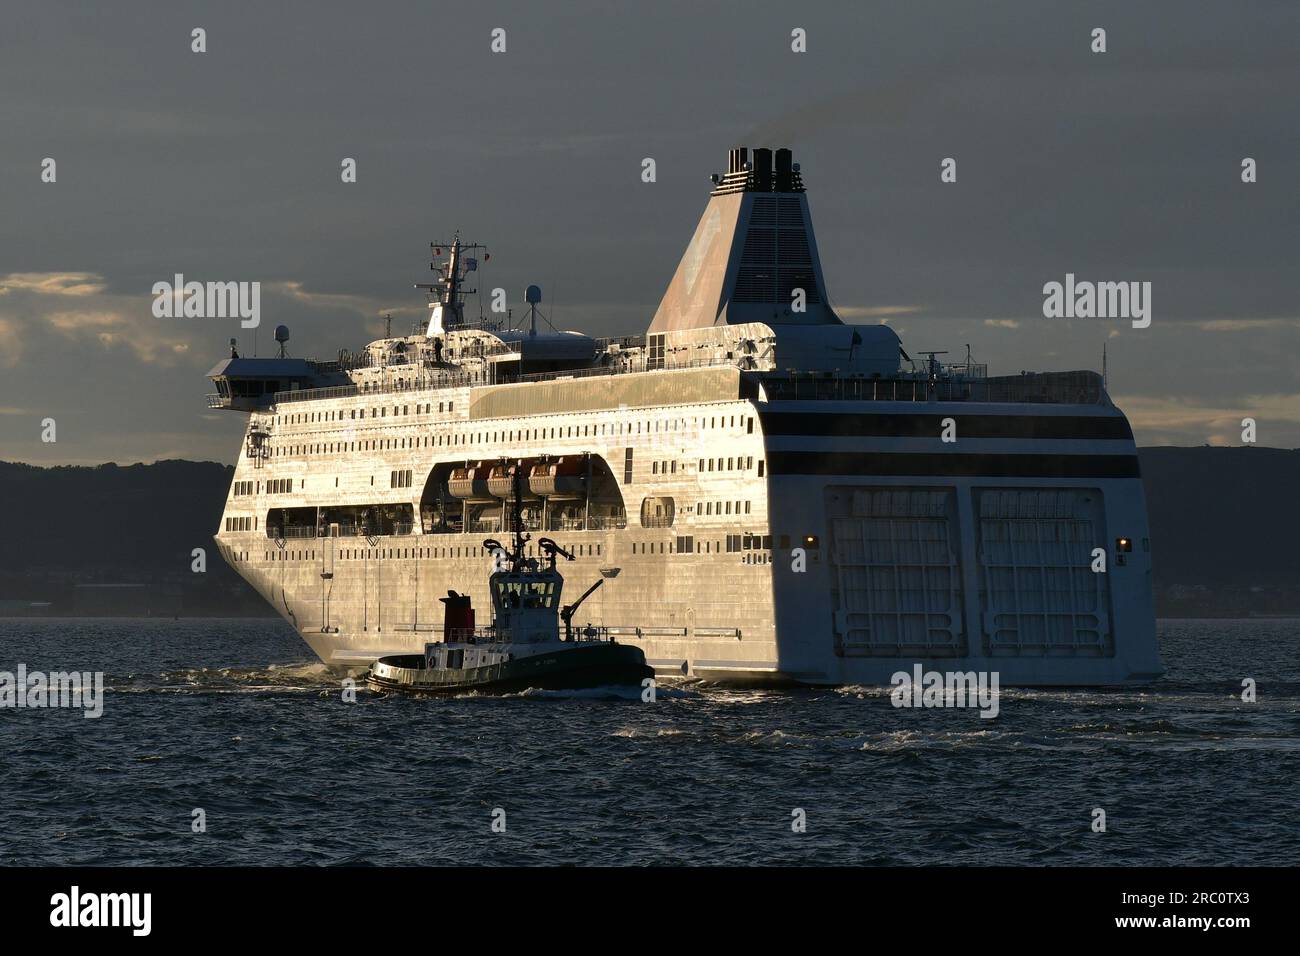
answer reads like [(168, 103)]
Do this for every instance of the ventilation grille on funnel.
[(776, 259)]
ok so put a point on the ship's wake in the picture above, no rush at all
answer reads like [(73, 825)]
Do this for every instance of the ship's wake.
[(609, 692), (305, 677)]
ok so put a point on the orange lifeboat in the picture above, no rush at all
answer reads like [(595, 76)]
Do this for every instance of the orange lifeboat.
[(470, 483), (501, 482), (564, 477)]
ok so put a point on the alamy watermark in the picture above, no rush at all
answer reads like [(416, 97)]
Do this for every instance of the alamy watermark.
[(1098, 300), (976, 689), (37, 690), (76, 909), (208, 300)]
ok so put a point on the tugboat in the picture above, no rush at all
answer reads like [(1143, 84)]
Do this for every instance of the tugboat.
[(523, 646)]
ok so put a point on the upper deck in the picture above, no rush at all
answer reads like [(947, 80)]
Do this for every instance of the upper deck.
[(748, 308), (942, 383)]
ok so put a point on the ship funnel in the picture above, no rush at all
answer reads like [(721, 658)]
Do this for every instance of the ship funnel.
[(763, 170), (753, 257), (784, 182), (737, 160)]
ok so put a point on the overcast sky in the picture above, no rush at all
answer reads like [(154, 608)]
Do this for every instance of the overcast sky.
[(225, 166)]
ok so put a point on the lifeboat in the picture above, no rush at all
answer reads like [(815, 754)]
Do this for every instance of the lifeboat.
[(564, 477), (501, 482), (470, 483)]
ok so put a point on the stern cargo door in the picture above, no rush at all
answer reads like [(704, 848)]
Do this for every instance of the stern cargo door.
[(1040, 595), (896, 580)]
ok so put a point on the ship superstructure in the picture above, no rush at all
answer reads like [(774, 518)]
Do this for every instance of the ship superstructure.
[(768, 493)]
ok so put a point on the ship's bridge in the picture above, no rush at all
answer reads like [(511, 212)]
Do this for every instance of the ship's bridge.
[(248, 384)]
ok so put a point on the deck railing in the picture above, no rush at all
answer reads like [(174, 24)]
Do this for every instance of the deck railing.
[(401, 529), (492, 635), (1058, 388), (953, 384)]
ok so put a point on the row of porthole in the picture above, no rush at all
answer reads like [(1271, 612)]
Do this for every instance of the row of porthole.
[(529, 434), (402, 554)]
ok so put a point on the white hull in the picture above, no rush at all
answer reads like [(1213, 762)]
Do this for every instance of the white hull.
[(847, 617)]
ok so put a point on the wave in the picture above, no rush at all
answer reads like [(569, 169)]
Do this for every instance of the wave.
[(306, 677), (610, 692)]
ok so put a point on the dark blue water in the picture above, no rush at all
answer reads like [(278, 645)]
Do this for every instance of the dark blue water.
[(235, 718)]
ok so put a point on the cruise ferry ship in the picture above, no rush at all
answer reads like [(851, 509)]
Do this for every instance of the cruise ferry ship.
[(769, 494)]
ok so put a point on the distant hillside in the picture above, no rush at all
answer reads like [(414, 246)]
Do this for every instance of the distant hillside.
[(1224, 531), (118, 525), (1224, 515), (1225, 528)]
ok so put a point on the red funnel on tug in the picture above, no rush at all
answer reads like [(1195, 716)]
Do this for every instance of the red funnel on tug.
[(457, 617)]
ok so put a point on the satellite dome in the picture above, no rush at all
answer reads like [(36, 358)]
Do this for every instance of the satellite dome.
[(282, 333)]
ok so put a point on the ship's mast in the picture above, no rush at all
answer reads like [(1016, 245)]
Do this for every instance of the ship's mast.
[(517, 524), (447, 295), (519, 536)]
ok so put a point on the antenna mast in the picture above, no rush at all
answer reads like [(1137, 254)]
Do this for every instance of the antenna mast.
[(447, 295), (517, 485)]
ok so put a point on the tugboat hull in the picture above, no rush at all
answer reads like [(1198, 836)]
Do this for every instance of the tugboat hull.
[(574, 668)]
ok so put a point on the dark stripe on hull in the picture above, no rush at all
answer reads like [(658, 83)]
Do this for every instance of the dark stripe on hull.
[(869, 425), (954, 464)]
